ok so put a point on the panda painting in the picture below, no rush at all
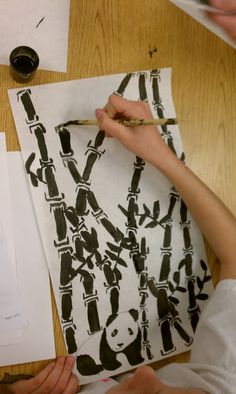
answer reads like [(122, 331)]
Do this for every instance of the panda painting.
[(117, 343)]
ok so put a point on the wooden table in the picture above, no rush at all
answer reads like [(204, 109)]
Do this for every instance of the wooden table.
[(114, 36)]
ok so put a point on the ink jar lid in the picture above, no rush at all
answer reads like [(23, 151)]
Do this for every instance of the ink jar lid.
[(24, 62)]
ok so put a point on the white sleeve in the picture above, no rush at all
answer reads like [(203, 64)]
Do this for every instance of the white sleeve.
[(215, 338), (99, 387)]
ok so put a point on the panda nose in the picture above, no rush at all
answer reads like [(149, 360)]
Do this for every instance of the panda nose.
[(120, 344)]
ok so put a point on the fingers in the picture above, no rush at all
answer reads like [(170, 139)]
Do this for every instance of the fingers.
[(228, 23), (127, 108), (63, 375), (226, 5), (59, 379), (29, 386), (55, 378), (72, 386), (110, 126)]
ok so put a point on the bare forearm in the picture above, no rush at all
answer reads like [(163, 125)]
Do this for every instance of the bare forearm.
[(213, 218)]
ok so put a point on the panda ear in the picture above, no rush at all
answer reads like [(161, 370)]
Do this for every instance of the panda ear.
[(134, 314), (111, 318)]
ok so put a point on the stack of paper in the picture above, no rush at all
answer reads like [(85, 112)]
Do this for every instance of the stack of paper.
[(26, 327)]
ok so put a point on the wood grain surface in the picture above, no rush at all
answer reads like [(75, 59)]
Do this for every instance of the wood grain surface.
[(114, 36)]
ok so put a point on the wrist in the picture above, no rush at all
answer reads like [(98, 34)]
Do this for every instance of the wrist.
[(166, 162)]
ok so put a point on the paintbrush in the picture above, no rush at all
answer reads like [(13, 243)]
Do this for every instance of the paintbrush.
[(124, 122)]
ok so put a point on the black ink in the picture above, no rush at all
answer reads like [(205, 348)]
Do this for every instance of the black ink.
[(93, 317), (142, 87), (39, 131), (24, 96), (66, 306), (81, 202), (70, 340), (51, 182), (58, 210), (64, 136), (67, 272), (41, 20), (71, 164), (24, 62), (87, 366), (151, 51), (123, 85), (166, 338), (28, 163)]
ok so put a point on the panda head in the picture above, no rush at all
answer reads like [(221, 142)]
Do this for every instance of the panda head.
[(122, 329)]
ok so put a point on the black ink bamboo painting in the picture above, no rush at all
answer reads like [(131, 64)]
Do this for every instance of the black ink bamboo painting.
[(126, 259)]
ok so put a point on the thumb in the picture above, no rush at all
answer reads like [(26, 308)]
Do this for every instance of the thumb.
[(100, 116), (226, 5), (109, 125)]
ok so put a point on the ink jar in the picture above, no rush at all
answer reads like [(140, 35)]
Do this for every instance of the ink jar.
[(24, 62)]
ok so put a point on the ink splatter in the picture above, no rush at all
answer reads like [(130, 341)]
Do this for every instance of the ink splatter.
[(151, 51), (41, 20)]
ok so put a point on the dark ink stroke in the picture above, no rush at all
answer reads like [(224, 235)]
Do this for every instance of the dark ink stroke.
[(24, 96), (41, 20)]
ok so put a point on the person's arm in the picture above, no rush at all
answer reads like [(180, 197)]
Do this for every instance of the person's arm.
[(215, 221), (227, 22), (55, 378)]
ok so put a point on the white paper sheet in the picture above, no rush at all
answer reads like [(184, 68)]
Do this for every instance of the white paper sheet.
[(101, 212), (10, 338), (42, 25), (12, 315), (37, 341), (198, 13)]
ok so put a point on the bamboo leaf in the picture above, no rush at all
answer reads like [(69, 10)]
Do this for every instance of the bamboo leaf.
[(203, 265), (123, 210), (112, 256), (151, 224), (121, 262), (176, 277), (117, 274), (90, 264), (207, 278), (174, 300), (199, 283), (164, 219), (146, 210), (181, 289), (182, 264), (98, 257), (33, 179), (171, 287), (156, 209), (202, 296), (142, 219)]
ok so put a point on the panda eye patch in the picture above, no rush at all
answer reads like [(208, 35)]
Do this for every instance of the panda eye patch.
[(130, 331), (114, 332)]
